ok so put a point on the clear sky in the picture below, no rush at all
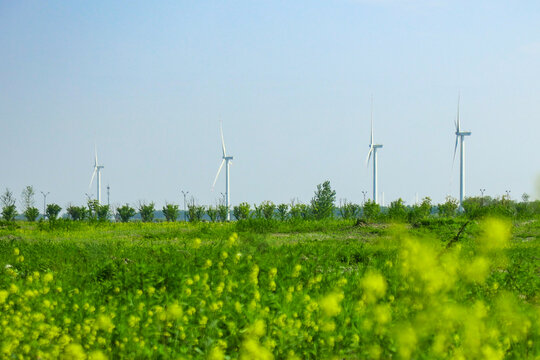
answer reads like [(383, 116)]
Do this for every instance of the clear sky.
[(148, 83)]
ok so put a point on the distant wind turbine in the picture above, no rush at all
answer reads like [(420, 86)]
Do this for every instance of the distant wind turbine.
[(97, 170), (226, 160), (460, 137), (373, 149)]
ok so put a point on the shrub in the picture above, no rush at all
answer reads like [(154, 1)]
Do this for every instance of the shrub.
[(322, 203), (348, 210), (147, 212), (397, 210), (125, 213), (195, 212), (282, 210), (241, 211), (449, 208), (223, 212), (371, 210), (171, 211), (52, 211), (212, 213), (31, 214), (268, 208), (76, 212)]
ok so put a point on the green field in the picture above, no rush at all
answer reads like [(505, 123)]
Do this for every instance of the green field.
[(269, 290)]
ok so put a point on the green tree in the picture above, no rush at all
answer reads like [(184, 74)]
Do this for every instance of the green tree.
[(52, 211), (9, 210), (268, 209), (147, 212), (171, 211), (195, 212), (371, 210), (223, 211), (125, 213), (242, 211), (76, 212), (449, 208), (322, 203), (397, 210), (212, 213), (31, 213), (283, 211), (419, 212), (348, 210)]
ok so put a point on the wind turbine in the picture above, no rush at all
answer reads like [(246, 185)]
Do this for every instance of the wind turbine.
[(460, 137), (97, 170), (226, 160), (373, 149)]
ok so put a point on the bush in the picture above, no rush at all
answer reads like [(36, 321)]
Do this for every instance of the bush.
[(9, 212), (348, 210), (282, 210), (242, 211), (76, 212), (223, 212), (125, 213), (322, 203), (195, 212), (268, 208), (52, 211), (212, 213), (171, 211), (31, 213), (147, 212), (420, 212), (449, 208), (371, 210)]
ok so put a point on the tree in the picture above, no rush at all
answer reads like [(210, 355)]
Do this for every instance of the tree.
[(268, 208), (171, 212), (146, 211), (195, 212), (9, 210), (348, 210), (125, 213), (96, 211), (212, 213), (31, 214), (322, 203), (282, 210), (371, 210), (241, 212), (76, 212), (52, 211), (222, 211), (449, 208), (397, 210), (419, 212)]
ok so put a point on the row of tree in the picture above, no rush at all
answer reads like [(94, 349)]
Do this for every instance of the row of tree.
[(322, 206)]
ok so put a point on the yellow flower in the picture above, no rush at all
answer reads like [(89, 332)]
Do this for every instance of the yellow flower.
[(104, 323), (3, 296), (74, 352), (374, 286), (48, 277), (97, 355), (216, 354), (16, 251), (330, 304)]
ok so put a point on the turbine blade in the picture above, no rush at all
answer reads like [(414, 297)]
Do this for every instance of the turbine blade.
[(217, 175), (369, 156), (95, 158), (371, 120), (93, 176), (222, 139), (455, 150), (457, 122)]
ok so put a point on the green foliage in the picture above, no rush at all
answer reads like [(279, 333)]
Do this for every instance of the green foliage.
[(282, 211), (147, 212), (223, 211), (322, 203), (242, 211), (7, 198), (348, 210), (195, 212), (257, 211), (449, 208), (371, 210), (125, 213), (212, 213), (52, 211), (171, 211), (97, 212), (27, 198), (9, 212), (397, 210), (420, 212), (268, 209), (31, 214), (77, 212)]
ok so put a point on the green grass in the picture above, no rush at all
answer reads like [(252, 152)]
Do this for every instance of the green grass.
[(311, 289)]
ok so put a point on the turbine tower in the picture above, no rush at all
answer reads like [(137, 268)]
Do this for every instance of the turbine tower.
[(460, 137), (373, 149), (226, 160), (97, 170)]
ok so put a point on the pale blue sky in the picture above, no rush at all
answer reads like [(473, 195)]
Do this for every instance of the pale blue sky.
[(148, 83)]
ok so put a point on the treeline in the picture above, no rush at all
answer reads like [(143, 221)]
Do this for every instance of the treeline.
[(322, 206)]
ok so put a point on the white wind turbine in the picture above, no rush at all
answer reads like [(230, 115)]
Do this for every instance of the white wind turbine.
[(226, 160), (97, 170), (373, 149), (460, 137)]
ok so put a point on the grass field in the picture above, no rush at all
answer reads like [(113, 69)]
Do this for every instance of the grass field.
[(268, 290)]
